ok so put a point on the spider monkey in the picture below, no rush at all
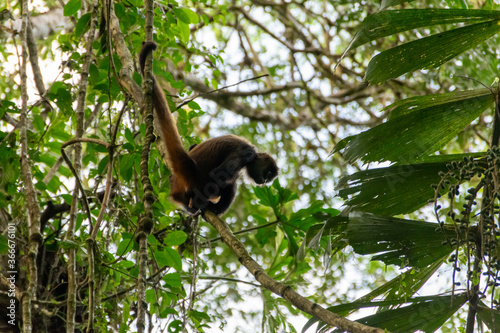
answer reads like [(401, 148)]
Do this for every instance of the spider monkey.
[(204, 178)]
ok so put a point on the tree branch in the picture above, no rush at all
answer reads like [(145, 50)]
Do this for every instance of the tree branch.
[(281, 289), (219, 90), (32, 205), (148, 198)]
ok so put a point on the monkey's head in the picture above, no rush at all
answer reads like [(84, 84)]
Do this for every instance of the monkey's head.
[(262, 169)]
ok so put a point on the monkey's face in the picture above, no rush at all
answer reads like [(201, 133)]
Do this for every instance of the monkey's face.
[(263, 169)]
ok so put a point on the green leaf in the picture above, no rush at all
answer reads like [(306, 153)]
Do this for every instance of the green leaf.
[(126, 166), (82, 25), (175, 238), (489, 316), (95, 75), (120, 11), (72, 7), (315, 240), (69, 245), (390, 22), (150, 295), (8, 107), (126, 264), (182, 15), (186, 15), (173, 280), (293, 247), (429, 52), (103, 163), (125, 245), (152, 240), (408, 105), (169, 311), (398, 189), (412, 134), (285, 195), (413, 282), (193, 105), (280, 261), (200, 315), (167, 205), (54, 185), (38, 123), (425, 314), (40, 186), (60, 93), (363, 302), (418, 316), (169, 257), (263, 235), (129, 136), (126, 314), (266, 196), (193, 17), (394, 241), (3, 244), (184, 31)]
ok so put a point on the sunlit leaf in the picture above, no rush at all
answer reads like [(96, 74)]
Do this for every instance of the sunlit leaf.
[(412, 134), (301, 253), (169, 311), (428, 52), (72, 7), (184, 31), (390, 22), (425, 314), (266, 196), (193, 17), (182, 15), (83, 25), (393, 190), (392, 289), (408, 105), (314, 242), (394, 241), (150, 295), (169, 257), (424, 304), (173, 279), (175, 238), (61, 94)]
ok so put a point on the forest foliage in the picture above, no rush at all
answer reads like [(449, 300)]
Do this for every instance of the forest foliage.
[(383, 118)]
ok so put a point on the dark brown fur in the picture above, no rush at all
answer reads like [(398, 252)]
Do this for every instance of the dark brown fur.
[(205, 177)]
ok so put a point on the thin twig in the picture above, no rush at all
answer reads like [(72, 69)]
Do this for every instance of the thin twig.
[(80, 185), (216, 239), (109, 175), (212, 91), (85, 140), (72, 168), (220, 278), (475, 80)]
